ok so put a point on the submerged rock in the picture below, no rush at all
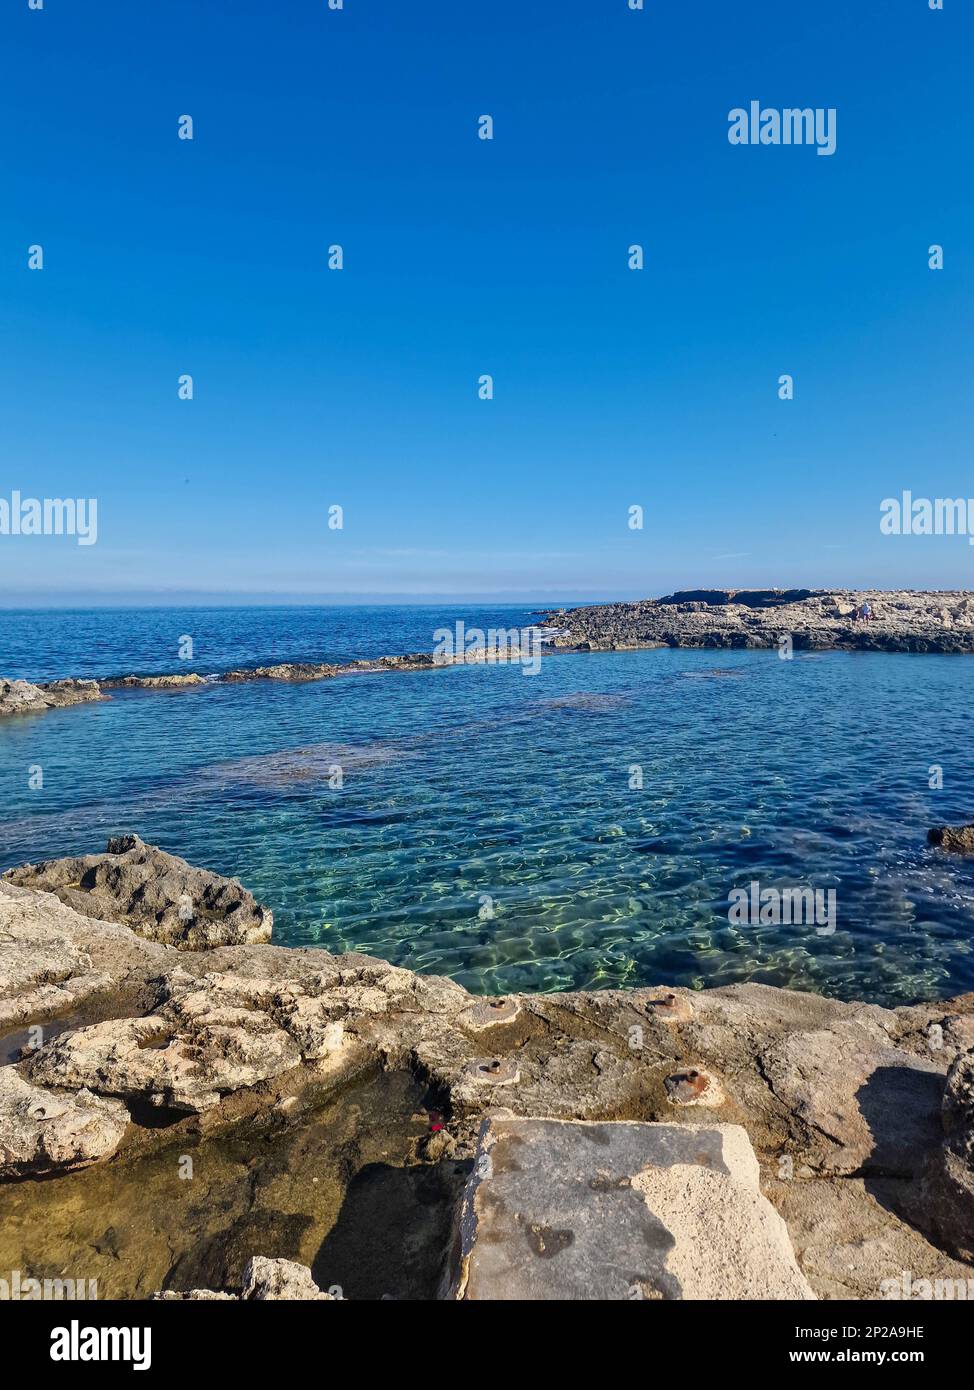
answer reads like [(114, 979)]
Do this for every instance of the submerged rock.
[(156, 894)]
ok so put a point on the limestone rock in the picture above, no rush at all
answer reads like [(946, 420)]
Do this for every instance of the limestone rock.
[(948, 1187), (70, 692), (172, 682), (902, 621), (955, 839), (43, 1130), (280, 1279), (185, 1057), (158, 895), (52, 960), (851, 1240), (264, 1280), (21, 697), (287, 671), (842, 1099), (869, 1107), (557, 1210), (216, 1034)]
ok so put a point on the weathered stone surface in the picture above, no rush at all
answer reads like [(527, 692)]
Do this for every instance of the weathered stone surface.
[(844, 1096), (42, 1130), (851, 1241), (280, 1279), (286, 671), (185, 1065), (947, 1200), (156, 894), (21, 697), (816, 620), (70, 692), (53, 960), (215, 1034), (955, 839), (264, 1279), (869, 1107), (558, 1210), (173, 682), (211, 1037), (39, 967)]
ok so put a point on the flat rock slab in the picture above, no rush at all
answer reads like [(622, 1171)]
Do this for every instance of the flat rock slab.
[(870, 1107), (578, 1210)]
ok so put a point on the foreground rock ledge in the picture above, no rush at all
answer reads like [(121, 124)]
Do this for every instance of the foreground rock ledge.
[(865, 1146), (568, 1210)]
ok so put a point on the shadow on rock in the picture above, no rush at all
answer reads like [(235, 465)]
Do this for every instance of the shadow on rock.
[(901, 1106)]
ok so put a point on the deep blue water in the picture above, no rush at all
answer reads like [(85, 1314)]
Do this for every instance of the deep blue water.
[(473, 790)]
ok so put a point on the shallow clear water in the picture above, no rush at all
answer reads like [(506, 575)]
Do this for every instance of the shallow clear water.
[(487, 828)]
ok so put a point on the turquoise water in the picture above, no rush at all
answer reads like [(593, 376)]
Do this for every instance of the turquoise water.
[(486, 828)]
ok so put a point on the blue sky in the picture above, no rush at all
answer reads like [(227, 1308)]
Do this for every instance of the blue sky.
[(463, 257)]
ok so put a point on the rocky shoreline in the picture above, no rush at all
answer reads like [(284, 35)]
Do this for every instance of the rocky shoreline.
[(140, 1023), (23, 697), (811, 620)]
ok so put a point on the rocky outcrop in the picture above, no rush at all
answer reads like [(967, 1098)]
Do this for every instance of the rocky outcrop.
[(21, 697), (750, 598), (814, 620), (54, 961), (841, 1102), (955, 839), (287, 671), (158, 895), (44, 1130), (264, 1279), (174, 682)]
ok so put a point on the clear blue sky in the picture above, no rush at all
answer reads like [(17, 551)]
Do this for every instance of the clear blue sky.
[(359, 387)]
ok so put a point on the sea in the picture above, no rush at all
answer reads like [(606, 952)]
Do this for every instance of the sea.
[(586, 825)]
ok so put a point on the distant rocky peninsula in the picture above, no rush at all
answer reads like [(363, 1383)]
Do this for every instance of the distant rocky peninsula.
[(216, 1116), (899, 620)]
